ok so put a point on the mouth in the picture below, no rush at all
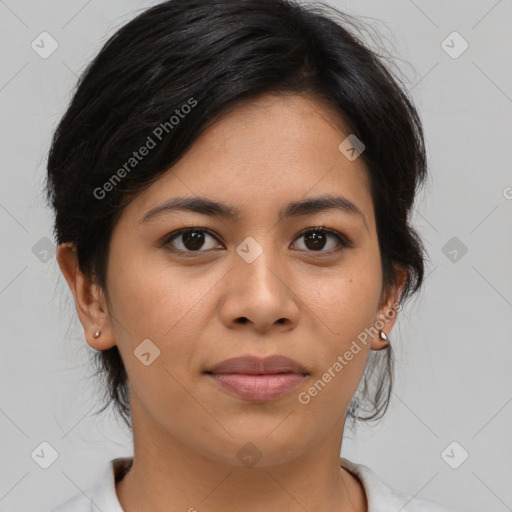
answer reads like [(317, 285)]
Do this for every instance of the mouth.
[(258, 379)]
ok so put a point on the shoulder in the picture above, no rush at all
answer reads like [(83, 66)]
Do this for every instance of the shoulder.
[(101, 495), (383, 498)]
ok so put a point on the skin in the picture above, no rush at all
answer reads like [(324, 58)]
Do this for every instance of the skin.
[(308, 304)]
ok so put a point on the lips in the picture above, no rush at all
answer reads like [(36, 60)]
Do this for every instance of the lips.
[(258, 379), (251, 365)]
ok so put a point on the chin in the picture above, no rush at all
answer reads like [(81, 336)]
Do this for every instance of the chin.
[(256, 448)]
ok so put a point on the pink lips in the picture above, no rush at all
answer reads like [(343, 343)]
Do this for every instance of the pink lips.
[(256, 379)]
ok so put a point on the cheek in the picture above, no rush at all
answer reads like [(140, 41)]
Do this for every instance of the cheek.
[(345, 303), (343, 308), (156, 300), (150, 301), (341, 312), (168, 306)]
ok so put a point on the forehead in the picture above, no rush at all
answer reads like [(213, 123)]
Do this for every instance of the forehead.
[(263, 154)]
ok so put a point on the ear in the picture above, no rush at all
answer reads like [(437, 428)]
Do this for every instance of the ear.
[(388, 309), (90, 301)]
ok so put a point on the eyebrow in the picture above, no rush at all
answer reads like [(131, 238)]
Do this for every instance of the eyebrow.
[(212, 208)]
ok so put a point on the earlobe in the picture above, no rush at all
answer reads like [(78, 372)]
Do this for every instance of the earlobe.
[(388, 312), (381, 342), (90, 302)]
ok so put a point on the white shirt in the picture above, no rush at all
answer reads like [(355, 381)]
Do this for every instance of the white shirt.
[(381, 498)]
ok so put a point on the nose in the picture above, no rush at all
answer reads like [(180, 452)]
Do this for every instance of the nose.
[(260, 295)]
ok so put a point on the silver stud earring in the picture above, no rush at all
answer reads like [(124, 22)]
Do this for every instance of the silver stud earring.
[(382, 335), (97, 334)]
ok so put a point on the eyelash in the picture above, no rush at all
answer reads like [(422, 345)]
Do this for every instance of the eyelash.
[(342, 240)]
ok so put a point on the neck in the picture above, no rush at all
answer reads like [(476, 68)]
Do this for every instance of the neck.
[(169, 475), (181, 480), (254, 490)]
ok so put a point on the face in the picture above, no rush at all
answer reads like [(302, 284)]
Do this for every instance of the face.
[(303, 283)]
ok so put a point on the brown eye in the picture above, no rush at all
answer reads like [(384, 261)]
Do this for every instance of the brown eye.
[(193, 240), (190, 240), (316, 239)]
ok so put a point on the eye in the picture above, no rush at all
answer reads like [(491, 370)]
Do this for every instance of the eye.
[(316, 239), (190, 239)]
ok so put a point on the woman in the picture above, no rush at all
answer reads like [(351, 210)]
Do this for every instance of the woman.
[(232, 183)]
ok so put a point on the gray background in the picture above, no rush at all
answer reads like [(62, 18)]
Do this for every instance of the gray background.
[(453, 342)]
